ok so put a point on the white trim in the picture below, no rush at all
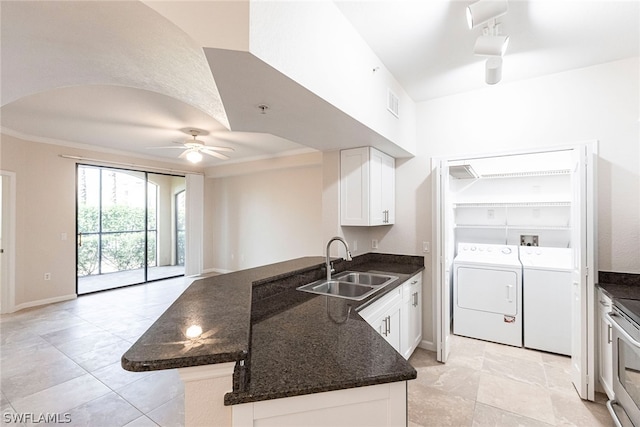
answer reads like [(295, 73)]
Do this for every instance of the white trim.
[(217, 270), (205, 372), (592, 148), (44, 302), (427, 345), (134, 166), (8, 291)]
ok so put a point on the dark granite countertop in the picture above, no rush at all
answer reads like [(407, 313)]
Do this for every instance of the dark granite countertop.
[(619, 285), (290, 342)]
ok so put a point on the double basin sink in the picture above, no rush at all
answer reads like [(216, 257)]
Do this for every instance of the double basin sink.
[(352, 285)]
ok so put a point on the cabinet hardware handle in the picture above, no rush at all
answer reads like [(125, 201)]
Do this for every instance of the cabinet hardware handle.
[(80, 239), (415, 299), (604, 303), (388, 324), (384, 322), (414, 282), (609, 334), (509, 293)]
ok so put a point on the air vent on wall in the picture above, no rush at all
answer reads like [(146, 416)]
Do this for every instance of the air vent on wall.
[(393, 103)]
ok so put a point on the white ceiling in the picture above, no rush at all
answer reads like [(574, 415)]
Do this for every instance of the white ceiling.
[(93, 72)]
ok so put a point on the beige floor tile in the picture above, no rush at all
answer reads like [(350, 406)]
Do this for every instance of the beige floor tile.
[(430, 407), (166, 385), (514, 396), (523, 369), (486, 416), (517, 352), (422, 358), (143, 421), (105, 411), (170, 414), (62, 397), (570, 410), (455, 380)]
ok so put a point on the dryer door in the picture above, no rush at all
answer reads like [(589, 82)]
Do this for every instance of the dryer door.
[(493, 291)]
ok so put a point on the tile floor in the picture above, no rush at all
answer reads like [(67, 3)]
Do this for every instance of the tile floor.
[(64, 359)]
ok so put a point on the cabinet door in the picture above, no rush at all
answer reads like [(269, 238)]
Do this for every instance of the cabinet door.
[(606, 346), (376, 166), (388, 191), (382, 189), (389, 327), (411, 328), (385, 317), (354, 186)]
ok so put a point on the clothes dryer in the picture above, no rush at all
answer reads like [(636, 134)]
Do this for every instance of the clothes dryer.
[(546, 283), (487, 287)]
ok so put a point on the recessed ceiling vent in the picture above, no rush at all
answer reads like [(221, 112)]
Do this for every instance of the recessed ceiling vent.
[(393, 103), (462, 172)]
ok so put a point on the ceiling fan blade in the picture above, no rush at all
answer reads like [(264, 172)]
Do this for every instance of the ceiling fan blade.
[(156, 148), (214, 154), (183, 154), (212, 147)]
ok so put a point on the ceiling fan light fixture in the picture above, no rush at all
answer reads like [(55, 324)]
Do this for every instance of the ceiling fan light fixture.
[(484, 11), (194, 156), (489, 45)]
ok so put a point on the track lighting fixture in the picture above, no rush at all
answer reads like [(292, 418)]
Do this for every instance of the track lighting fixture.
[(493, 70), (491, 45), (483, 11)]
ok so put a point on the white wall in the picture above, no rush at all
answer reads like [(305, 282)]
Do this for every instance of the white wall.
[(270, 212), (314, 44)]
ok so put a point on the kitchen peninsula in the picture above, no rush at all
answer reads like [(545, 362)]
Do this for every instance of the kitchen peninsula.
[(249, 346)]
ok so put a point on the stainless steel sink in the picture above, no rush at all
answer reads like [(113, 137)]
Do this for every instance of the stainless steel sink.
[(350, 285), (372, 279)]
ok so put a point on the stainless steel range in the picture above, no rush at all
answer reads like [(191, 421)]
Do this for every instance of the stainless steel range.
[(625, 319)]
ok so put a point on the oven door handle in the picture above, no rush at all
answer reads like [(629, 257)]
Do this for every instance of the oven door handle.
[(632, 341), (616, 419)]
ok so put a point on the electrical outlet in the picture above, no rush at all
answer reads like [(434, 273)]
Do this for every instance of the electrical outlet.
[(374, 244), (354, 246), (47, 276), (491, 214), (426, 247)]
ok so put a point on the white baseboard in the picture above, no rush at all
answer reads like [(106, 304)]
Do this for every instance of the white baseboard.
[(217, 270), (427, 345), (42, 302)]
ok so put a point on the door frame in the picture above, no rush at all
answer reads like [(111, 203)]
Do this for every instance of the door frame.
[(442, 284), (8, 291)]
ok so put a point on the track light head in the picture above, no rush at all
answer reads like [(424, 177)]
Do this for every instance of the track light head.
[(484, 11)]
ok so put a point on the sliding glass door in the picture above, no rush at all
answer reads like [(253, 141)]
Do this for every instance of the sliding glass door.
[(125, 231)]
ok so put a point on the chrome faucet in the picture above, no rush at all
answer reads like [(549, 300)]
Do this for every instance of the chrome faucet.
[(348, 257)]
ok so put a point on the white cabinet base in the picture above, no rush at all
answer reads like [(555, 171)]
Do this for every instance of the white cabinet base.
[(371, 406), (204, 390), (382, 405)]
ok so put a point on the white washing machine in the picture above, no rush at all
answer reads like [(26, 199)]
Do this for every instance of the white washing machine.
[(546, 282), (487, 293)]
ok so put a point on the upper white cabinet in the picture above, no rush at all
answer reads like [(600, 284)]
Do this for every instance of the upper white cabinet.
[(367, 187)]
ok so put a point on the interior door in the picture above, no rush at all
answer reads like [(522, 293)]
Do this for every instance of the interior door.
[(442, 259), (582, 243)]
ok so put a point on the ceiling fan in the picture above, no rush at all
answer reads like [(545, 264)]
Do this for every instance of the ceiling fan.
[(194, 148)]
